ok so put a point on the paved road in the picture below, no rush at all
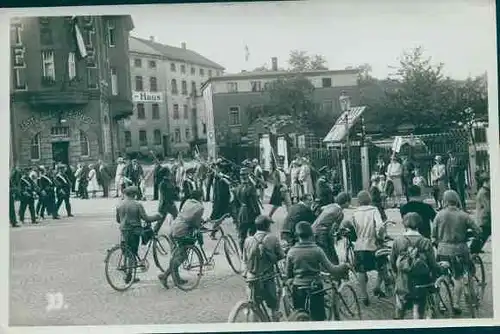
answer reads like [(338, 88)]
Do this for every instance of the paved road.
[(67, 256)]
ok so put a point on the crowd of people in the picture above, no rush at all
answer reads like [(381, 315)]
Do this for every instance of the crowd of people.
[(314, 214)]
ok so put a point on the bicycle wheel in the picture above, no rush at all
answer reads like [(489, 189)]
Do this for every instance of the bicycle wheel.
[(347, 303), (232, 254), (299, 316), (248, 311), (480, 277), (190, 270), (443, 299), (470, 295), (389, 280), (162, 247), (123, 261), (287, 301)]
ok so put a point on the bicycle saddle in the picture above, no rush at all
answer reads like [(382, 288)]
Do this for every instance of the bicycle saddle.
[(383, 252)]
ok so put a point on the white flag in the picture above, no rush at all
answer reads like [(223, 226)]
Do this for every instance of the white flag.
[(247, 53), (80, 44)]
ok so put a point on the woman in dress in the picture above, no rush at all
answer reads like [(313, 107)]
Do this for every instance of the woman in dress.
[(395, 174), (78, 173), (93, 186), (438, 180)]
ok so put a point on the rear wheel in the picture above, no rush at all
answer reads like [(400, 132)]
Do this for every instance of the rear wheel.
[(162, 247), (299, 316), (347, 303), (120, 268), (442, 299), (190, 269), (232, 254), (480, 277), (470, 295), (246, 311)]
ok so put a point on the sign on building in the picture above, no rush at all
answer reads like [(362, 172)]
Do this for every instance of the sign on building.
[(153, 97)]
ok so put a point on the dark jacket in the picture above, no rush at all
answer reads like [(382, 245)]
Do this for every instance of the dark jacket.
[(297, 213)]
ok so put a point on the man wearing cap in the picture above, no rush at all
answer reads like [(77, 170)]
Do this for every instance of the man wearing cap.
[(63, 189), (47, 195), (130, 214), (188, 186), (135, 174), (157, 178), (168, 195), (438, 180), (324, 194), (246, 194), (455, 169), (120, 168), (305, 178), (27, 197)]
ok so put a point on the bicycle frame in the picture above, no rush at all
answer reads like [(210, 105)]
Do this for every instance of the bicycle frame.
[(216, 248)]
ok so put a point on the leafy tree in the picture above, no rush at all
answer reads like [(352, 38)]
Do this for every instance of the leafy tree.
[(300, 61)]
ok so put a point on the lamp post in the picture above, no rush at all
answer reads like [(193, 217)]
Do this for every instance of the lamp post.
[(345, 106)]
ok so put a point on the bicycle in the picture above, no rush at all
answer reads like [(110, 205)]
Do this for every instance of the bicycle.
[(336, 306), (195, 257), (129, 263), (253, 308), (382, 256), (439, 300)]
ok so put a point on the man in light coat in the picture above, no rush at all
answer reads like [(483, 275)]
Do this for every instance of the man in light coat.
[(120, 167), (305, 178)]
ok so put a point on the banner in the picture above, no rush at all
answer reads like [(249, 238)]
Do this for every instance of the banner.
[(153, 97), (80, 44)]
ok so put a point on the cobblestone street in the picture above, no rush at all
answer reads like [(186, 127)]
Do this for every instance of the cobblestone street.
[(67, 257)]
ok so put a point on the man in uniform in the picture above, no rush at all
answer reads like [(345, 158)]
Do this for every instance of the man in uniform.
[(27, 196), (222, 193), (455, 168), (135, 174), (47, 196), (63, 190), (168, 195), (324, 194), (157, 179), (188, 186), (13, 194), (103, 178), (249, 207)]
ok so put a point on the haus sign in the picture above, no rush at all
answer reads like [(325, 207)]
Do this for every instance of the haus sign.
[(147, 96), (77, 115)]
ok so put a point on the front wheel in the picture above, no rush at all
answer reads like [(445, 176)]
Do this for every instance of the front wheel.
[(299, 316), (190, 261), (442, 299), (120, 268), (232, 254), (162, 247), (248, 312), (347, 303)]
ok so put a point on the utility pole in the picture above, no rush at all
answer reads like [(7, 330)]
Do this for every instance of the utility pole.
[(345, 105)]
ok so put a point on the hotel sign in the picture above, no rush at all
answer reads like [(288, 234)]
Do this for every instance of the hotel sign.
[(152, 97)]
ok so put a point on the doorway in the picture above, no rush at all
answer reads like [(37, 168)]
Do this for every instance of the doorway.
[(60, 152), (165, 146)]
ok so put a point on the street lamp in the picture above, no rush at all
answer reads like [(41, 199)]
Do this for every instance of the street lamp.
[(345, 106)]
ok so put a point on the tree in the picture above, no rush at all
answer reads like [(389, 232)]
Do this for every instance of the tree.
[(300, 61)]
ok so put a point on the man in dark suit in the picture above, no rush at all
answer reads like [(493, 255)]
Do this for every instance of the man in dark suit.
[(103, 177), (63, 190), (27, 189), (47, 196), (157, 179), (455, 169), (324, 193), (13, 195), (135, 174)]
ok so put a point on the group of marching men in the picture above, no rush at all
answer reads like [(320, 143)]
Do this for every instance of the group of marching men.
[(51, 187)]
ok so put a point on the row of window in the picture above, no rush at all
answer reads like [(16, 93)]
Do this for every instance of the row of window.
[(153, 86), (185, 111), (256, 86), (173, 67), (157, 137), (138, 63), (35, 146), (141, 111)]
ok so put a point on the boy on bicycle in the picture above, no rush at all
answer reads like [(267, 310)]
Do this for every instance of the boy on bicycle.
[(412, 259), (304, 263), (129, 214), (261, 253)]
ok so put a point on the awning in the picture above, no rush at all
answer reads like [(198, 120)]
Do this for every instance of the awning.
[(338, 131)]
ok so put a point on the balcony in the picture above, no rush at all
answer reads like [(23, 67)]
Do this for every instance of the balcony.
[(121, 108), (49, 98)]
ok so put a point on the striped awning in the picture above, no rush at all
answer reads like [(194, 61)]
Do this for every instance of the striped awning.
[(338, 131)]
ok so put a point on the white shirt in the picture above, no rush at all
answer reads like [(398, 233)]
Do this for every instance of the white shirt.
[(119, 170)]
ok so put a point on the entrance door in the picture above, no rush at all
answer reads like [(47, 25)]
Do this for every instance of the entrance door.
[(165, 146), (60, 152)]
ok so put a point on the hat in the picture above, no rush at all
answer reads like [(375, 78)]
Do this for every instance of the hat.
[(130, 191), (120, 159)]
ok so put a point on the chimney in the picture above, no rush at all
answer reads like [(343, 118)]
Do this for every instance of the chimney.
[(274, 62), (152, 38), (183, 45)]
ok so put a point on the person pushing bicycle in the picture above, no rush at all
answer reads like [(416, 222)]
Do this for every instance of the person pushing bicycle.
[(130, 214)]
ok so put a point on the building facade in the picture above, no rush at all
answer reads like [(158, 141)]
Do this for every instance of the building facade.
[(69, 99), (226, 99), (169, 120)]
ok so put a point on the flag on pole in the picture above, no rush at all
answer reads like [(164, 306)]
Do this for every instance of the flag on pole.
[(80, 44), (247, 53)]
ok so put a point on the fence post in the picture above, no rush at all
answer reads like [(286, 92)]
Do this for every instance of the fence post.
[(344, 175), (365, 167)]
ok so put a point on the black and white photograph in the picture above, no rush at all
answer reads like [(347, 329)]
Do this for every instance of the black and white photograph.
[(241, 163)]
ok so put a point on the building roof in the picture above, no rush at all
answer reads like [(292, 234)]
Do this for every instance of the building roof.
[(172, 52), (136, 45), (274, 74)]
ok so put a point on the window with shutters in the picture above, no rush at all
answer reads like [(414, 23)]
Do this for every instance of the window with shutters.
[(186, 112), (327, 82), (92, 78), (87, 35), (137, 62), (48, 66), (111, 33), (128, 139), (71, 66), (35, 147), (193, 70), (177, 135), (141, 113), (184, 87), (256, 86), (188, 134), (155, 111), (202, 72), (172, 67), (183, 69), (153, 85), (84, 144), (193, 88), (234, 116), (138, 83), (176, 111), (232, 87), (143, 138), (157, 137), (152, 64), (174, 86), (114, 81)]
